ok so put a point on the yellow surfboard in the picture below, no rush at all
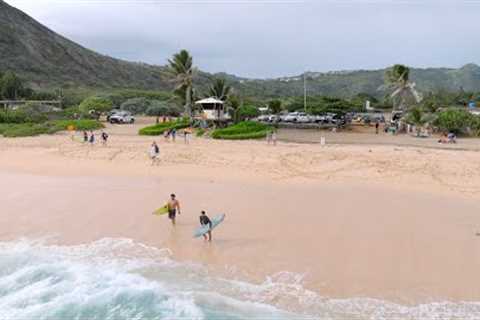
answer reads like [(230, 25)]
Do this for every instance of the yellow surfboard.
[(161, 211)]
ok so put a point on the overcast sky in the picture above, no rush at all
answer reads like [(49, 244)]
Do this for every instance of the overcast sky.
[(271, 38)]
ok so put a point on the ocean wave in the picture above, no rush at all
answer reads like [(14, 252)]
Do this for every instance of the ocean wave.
[(122, 279)]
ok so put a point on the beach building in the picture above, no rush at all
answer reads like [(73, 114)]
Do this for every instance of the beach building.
[(212, 109)]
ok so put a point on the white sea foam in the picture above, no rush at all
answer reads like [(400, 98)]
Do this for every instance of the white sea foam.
[(121, 279)]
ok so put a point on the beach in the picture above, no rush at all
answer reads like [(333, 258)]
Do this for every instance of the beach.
[(394, 222)]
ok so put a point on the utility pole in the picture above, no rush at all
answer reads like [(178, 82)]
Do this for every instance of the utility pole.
[(305, 92)]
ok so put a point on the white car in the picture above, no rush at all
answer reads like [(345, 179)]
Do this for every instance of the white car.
[(122, 117), (304, 118), (293, 116)]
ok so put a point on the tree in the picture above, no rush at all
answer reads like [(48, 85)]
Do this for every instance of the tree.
[(416, 117), (233, 106), (397, 81), (96, 104), (219, 89), (182, 70), (275, 106), (11, 85), (158, 109), (136, 105), (162, 109), (454, 120), (247, 112)]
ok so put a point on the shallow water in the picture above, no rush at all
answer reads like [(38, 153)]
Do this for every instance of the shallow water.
[(121, 279)]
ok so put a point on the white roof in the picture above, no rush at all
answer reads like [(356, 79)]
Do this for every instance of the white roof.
[(209, 100)]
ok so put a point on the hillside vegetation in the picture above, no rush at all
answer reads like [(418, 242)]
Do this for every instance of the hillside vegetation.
[(48, 60)]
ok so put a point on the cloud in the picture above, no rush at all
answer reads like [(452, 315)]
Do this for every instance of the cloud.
[(270, 38)]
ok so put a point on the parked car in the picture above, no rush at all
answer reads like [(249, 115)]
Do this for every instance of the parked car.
[(263, 117), (122, 117), (293, 116), (112, 112), (304, 118)]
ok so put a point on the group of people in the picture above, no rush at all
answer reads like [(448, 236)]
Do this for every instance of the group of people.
[(173, 207), (91, 138), (172, 133), (448, 138)]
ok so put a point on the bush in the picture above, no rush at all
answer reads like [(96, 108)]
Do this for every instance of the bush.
[(49, 127), (200, 132), (247, 112), (242, 131), (136, 105), (454, 120), (99, 104), (160, 128)]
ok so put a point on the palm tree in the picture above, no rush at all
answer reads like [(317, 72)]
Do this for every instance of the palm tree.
[(219, 89), (397, 80), (182, 70)]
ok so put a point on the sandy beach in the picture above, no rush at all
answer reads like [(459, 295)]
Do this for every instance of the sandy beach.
[(394, 222)]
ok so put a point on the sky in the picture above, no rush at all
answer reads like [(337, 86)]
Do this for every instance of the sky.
[(271, 38)]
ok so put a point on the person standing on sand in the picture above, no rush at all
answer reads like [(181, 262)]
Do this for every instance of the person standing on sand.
[(104, 138), (174, 134), (92, 138), (154, 153), (205, 220), (85, 136), (377, 126), (173, 207)]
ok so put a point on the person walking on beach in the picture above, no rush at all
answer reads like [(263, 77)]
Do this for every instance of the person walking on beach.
[(85, 136), (186, 134), (174, 134), (92, 138), (104, 138), (204, 221), (173, 207), (274, 137), (154, 153), (377, 126)]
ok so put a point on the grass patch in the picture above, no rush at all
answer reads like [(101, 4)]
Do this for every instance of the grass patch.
[(12, 130), (243, 131), (160, 128), (200, 132)]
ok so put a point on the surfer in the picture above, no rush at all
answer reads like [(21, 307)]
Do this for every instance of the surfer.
[(205, 220), (173, 208)]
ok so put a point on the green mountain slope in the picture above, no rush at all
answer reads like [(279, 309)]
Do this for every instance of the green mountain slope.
[(48, 60)]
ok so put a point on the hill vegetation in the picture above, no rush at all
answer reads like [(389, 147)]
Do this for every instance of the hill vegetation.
[(48, 61)]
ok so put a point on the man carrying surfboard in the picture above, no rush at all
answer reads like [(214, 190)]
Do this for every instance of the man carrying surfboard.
[(173, 208), (204, 221)]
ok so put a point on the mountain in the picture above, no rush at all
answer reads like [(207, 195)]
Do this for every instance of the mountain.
[(48, 60)]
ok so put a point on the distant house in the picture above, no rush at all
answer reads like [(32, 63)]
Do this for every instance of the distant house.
[(212, 109)]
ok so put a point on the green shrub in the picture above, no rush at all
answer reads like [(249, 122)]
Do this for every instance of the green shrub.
[(242, 131), (98, 104), (136, 105), (49, 127), (200, 132), (160, 128), (454, 120), (247, 112)]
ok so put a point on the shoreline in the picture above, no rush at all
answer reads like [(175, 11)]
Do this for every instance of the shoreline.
[(357, 222)]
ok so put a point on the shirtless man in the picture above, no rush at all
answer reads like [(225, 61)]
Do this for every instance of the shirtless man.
[(173, 208)]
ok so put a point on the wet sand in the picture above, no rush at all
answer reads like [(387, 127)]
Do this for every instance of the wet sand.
[(389, 222)]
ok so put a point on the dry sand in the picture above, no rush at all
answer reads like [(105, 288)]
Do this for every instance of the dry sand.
[(386, 221)]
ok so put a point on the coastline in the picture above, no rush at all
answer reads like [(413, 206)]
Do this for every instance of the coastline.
[(355, 221)]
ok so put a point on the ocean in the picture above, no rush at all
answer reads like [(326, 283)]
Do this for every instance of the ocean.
[(121, 279)]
